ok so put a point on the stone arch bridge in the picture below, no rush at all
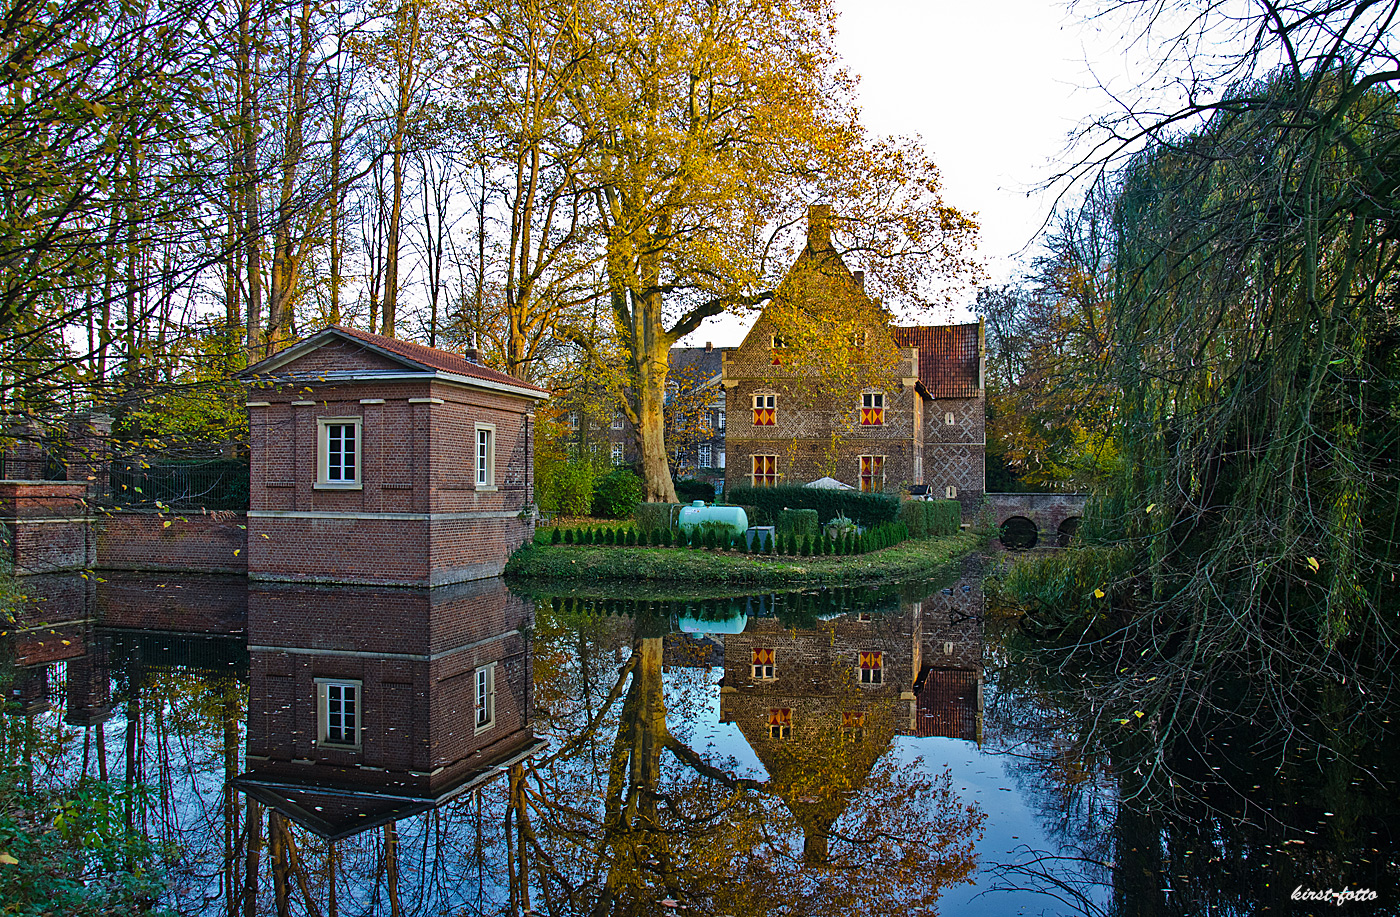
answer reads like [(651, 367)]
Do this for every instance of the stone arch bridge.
[(1027, 520)]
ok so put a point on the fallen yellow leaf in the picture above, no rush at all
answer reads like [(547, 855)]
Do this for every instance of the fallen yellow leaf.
[(1098, 593), (1151, 506), (1139, 714), (1312, 562), (8, 860)]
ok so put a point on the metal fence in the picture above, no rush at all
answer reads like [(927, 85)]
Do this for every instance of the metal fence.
[(219, 484)]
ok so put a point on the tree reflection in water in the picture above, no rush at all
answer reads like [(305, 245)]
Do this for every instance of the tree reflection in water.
[(1258, 792), (616, 813)]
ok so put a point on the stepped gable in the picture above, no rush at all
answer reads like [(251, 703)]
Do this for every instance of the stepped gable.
[(948, 359)]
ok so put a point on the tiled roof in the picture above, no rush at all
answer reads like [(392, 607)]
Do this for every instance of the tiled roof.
[(947, 704), (948, 358), (704, 364), (430, 357)]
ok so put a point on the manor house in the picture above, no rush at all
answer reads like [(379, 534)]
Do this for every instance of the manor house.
[(927, 431)]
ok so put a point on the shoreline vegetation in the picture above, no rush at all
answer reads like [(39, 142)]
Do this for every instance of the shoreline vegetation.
[(591, 563)]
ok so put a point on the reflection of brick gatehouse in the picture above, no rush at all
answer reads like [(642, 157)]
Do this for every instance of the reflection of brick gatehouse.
[(381, 461), (930, 430), (353, 723)]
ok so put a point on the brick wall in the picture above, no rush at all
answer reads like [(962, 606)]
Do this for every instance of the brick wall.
[(172, 542), (43, 526), (418, 515)]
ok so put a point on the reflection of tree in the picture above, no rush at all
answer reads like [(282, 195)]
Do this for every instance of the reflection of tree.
[(1226, 814), (839, 826)]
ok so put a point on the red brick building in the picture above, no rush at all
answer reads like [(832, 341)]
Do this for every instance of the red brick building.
[(376, 460), (929, 430)]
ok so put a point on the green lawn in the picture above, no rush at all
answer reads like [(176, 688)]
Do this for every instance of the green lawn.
[(588, 563)]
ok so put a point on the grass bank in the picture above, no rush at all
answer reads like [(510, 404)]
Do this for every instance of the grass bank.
[(586, 563)]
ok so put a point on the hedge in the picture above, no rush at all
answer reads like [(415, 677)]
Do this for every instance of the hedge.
[(769, 502), (802, 522), (924, 518), (653, 517), (690, 491)]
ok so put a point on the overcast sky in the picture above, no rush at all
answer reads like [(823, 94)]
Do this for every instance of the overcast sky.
[(992, 89)]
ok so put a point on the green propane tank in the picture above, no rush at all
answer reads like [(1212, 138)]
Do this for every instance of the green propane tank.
[(697, 514)]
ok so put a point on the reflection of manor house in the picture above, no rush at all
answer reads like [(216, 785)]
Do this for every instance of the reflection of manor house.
[(929, 430), (366, 706), (819, 705)]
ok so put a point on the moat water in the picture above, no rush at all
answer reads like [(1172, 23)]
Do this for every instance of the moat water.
[(473, 750)]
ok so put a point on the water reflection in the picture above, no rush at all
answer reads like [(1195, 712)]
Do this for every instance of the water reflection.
[(367, 706), (315, 750)]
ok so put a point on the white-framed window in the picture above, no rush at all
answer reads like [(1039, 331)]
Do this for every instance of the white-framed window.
[(617, 453), (764, 666), (872, 474), (949, 419), (777, 342), (872, 409), (765, 471), (338, 712), (765, 410), (338, 462), (719, 421), (780, 723), (485, 693), (573, 419), (950, 492), (872, 667), (720, 464), (853, 724), (485, 456), (706, 456), (617, 422)]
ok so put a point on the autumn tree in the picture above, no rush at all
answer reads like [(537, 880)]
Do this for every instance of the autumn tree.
[(700, 116)]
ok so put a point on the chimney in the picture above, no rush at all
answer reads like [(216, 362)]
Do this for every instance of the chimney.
[(860, 278), (819, 226), (471, 353), (709, 346)]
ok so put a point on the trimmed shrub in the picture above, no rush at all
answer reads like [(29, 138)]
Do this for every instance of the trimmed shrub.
[(799, 522), (617, 493), (631, 538), (608, 537), (653, 517), (769, 502), (568, 536), (914, 515), (643, 537), (556, 538), (944, 517), (689, 491), (665, 538), (807, 543), (767, 543)]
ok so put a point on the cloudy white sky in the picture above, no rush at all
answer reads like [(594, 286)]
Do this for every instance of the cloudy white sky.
[(993, 89)]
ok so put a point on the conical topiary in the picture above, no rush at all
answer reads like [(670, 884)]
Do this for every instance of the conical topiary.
[(806, 548), (556, 538), (569, 536)]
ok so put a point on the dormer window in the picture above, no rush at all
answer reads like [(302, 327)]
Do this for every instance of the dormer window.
[(780, 723), (872, 409)]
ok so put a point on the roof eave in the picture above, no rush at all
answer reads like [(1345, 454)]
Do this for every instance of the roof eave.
[(425, 375)]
